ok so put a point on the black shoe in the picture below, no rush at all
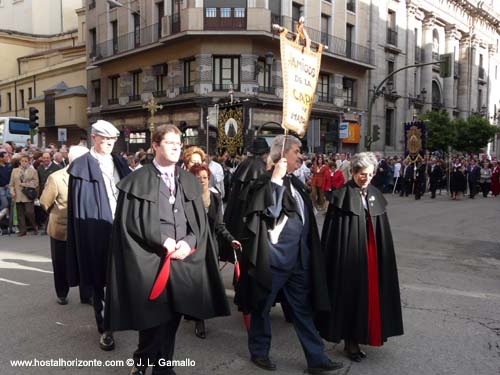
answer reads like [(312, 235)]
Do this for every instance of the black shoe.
[(264, 363), (325, 367), (137, 371), (355, 357), (62, 300), (199, 329), (107, 342)]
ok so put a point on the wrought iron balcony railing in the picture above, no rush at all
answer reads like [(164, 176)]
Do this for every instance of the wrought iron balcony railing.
[(186, 89), (392, 37), (267, 90), (225, 87), (158, 94), (112, 101), (134, 98)]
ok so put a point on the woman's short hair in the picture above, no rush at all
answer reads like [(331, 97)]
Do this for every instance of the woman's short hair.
[(189, 152), (277, 146), (197, 168), (363, 160)]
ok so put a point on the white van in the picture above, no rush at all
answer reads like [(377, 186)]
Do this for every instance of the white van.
[(15, 129)]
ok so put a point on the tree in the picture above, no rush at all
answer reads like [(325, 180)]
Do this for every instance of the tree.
[(473, 134), (440, 130)]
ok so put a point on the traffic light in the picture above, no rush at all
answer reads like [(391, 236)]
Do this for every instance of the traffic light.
[(183, 128), (376, 133), (33, 118)]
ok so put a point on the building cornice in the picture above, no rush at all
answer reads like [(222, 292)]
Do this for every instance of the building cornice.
[(452, 32)]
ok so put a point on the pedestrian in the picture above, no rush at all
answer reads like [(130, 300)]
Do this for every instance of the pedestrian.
[(193, 155), (212, 202), (54, 200), (495, 178), (319, 171), (92, 197), (23, 190), (45, 169), (458, 181), (473, 175), (435, 175), (283, 255), (360, 264), (420, 179), (161, 228), (333, 181), (5, 173), (485, 178)]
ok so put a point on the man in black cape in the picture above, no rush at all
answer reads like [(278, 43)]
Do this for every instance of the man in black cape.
[(163, 264), (360, 264), (248, 171), (92, 197), (288, 259)]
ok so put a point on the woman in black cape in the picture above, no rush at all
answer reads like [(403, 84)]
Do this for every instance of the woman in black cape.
[(362, 277)]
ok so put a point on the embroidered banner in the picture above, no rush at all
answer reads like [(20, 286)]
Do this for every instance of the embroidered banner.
[(415, 140), (300, 69)]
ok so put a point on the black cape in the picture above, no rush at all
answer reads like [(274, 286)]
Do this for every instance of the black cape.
[(254, 284), (243, 179), (89, 220), (343, 243), (194, 287)]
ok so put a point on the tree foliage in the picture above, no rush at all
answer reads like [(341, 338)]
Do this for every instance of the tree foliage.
[(440, 130), (473, 134)]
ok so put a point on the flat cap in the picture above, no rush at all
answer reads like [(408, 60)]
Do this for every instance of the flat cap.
[(105, 129)]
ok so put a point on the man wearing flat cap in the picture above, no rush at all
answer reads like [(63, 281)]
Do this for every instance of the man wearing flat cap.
[(92, 197)]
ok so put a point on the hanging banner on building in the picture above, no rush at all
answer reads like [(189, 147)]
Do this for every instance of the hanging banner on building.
[(300, 69), (415, 140), (62, 135), (230, 130)]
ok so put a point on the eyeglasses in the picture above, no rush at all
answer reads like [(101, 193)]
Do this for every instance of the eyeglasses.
[(107, 138), (171, 143)]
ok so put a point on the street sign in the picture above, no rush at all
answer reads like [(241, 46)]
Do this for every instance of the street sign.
[(62, 134), (343, 130)]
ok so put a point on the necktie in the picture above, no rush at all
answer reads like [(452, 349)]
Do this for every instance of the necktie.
[(171, 186), (287, 182)]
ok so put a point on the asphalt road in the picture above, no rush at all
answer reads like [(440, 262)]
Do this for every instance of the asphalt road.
[(448, 254)]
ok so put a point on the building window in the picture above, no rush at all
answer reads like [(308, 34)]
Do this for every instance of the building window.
[(189, 76), (481, 68), (210, 12), (137, 30), (479, 99), (136, 86), (392, 34), (349, 93), (138, 137), (96, 91), (351, 5), (239, 12), (160, 72), (389, 123), (30, 93), (349, 32), (21, 98), (226, 72), (114, 35), (225, 12), (264, 77), (9, 101), (296, 12), (325, 28), (390, 83), (160, 9), (113, 89), (93, 42), (323, 88)]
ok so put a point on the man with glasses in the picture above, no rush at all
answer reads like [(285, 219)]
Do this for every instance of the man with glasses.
[(92, 196), (163, 264)]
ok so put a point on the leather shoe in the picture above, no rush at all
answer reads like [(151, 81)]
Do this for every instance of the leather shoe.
[(325, 367), (62, 300), (107, 342), (137, 371), (264, 363), (199, 329)]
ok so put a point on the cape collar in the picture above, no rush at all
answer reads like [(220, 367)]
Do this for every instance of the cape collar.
[(349, 199)]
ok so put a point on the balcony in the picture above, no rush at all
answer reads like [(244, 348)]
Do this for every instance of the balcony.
[(336, 46), (349, 102), (392, 37), (159, 94), (225, 87), (113, 101), (225, 19), (267, 90), (351, 5), (186, 89), (127, 42), (134, 98)]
